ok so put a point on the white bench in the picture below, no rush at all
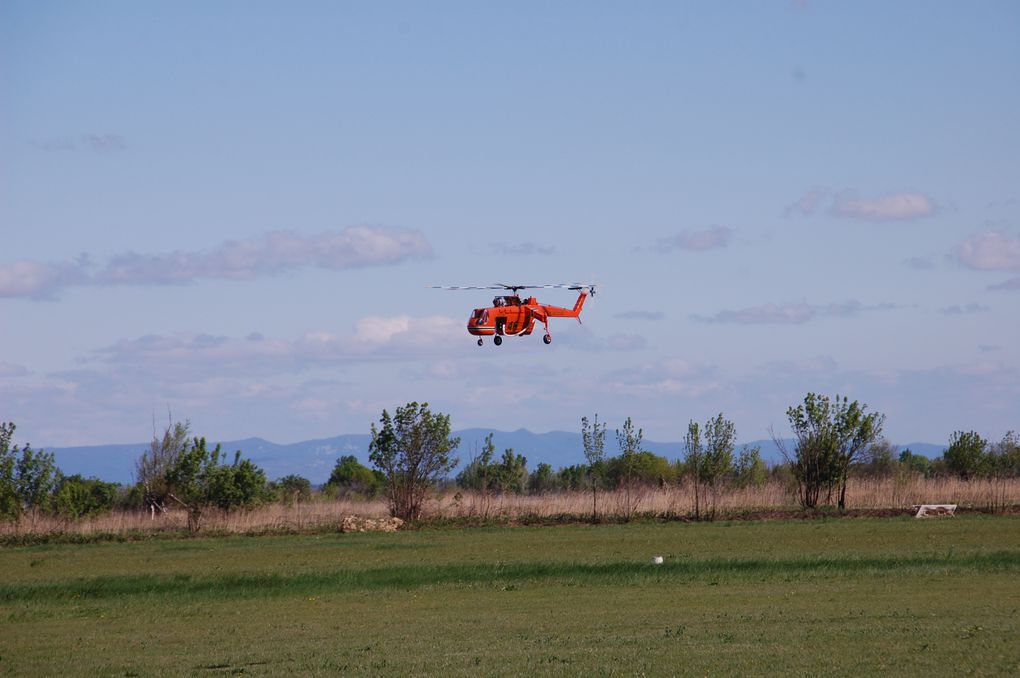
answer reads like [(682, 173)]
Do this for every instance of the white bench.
[(934, 510)]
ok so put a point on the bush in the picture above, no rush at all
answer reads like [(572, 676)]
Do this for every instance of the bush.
[(1004, 457), (878, 461), (577, 477), (830, 435), (642, 468), (542, 479), (352, 479), (414, 451), (509, 474), (750, 469), (77, 497), (966, 455), (198, 480), (916, 463), (291, 489), (477, 474), (10, 507)]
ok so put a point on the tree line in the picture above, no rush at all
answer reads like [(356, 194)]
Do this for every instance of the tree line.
[(411, 453), (834, 439), (177, 470), (31, 485)]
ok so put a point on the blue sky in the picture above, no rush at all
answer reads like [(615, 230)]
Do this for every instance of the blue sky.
[(232, 210)]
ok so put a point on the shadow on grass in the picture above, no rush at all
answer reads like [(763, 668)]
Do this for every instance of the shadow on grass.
[(501, 575)]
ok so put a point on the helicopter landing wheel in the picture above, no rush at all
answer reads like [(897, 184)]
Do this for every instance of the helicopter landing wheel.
[(497, 340), (547, 338), (480, 342)]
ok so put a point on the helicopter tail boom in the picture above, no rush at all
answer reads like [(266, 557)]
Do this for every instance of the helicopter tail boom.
[(558, 312)]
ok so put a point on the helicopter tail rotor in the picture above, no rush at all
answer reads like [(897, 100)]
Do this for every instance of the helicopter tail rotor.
[(586, 288)]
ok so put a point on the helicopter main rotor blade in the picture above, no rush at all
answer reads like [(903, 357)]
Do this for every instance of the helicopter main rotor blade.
[(519, 287), (576, 286), (464, 287), (549, 286)]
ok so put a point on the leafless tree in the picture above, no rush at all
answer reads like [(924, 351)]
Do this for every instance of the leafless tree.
[(151, 467)]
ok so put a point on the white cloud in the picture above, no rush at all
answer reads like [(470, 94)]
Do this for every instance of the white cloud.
[(672, 376), (773, 314), (316, 408), (851, 308), (451, 368), (640, 315), (275, 253), (103, 143), (12, 370), (791, 313), (425, 332), (235, 386), (695, 241), (892, 207), (805, 366), (523, 249), (919, 263), (187, 357), (1011, 284), (848, 203), (113, 402), (581, 337), (379, 330), (97, 143), (989, 251), (808, 203), (924, 404), (626, 342), (956, 309), (37, 280)]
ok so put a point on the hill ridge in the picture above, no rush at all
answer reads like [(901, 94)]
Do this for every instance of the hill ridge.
[(314, 458)]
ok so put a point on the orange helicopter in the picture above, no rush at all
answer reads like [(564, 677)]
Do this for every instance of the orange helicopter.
[(511, 316)]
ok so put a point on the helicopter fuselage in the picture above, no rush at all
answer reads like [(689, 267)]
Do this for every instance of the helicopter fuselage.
[(514, 317)]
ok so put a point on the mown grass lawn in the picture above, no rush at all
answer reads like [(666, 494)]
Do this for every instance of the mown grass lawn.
[(897, 596)]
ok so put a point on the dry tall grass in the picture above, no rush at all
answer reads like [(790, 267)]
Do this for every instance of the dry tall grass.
[(671, 501), (270, 518), (891, 493)]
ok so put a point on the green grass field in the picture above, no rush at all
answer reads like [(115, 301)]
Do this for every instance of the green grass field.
[(896, 596)]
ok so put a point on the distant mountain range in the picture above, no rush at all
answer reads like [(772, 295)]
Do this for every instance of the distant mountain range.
[(314, 459)]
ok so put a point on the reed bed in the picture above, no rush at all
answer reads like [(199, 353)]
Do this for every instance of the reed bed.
[(672, 501), (270, 518), (679, 500)]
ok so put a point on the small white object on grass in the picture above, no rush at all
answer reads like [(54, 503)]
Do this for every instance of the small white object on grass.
[(657, 560)]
